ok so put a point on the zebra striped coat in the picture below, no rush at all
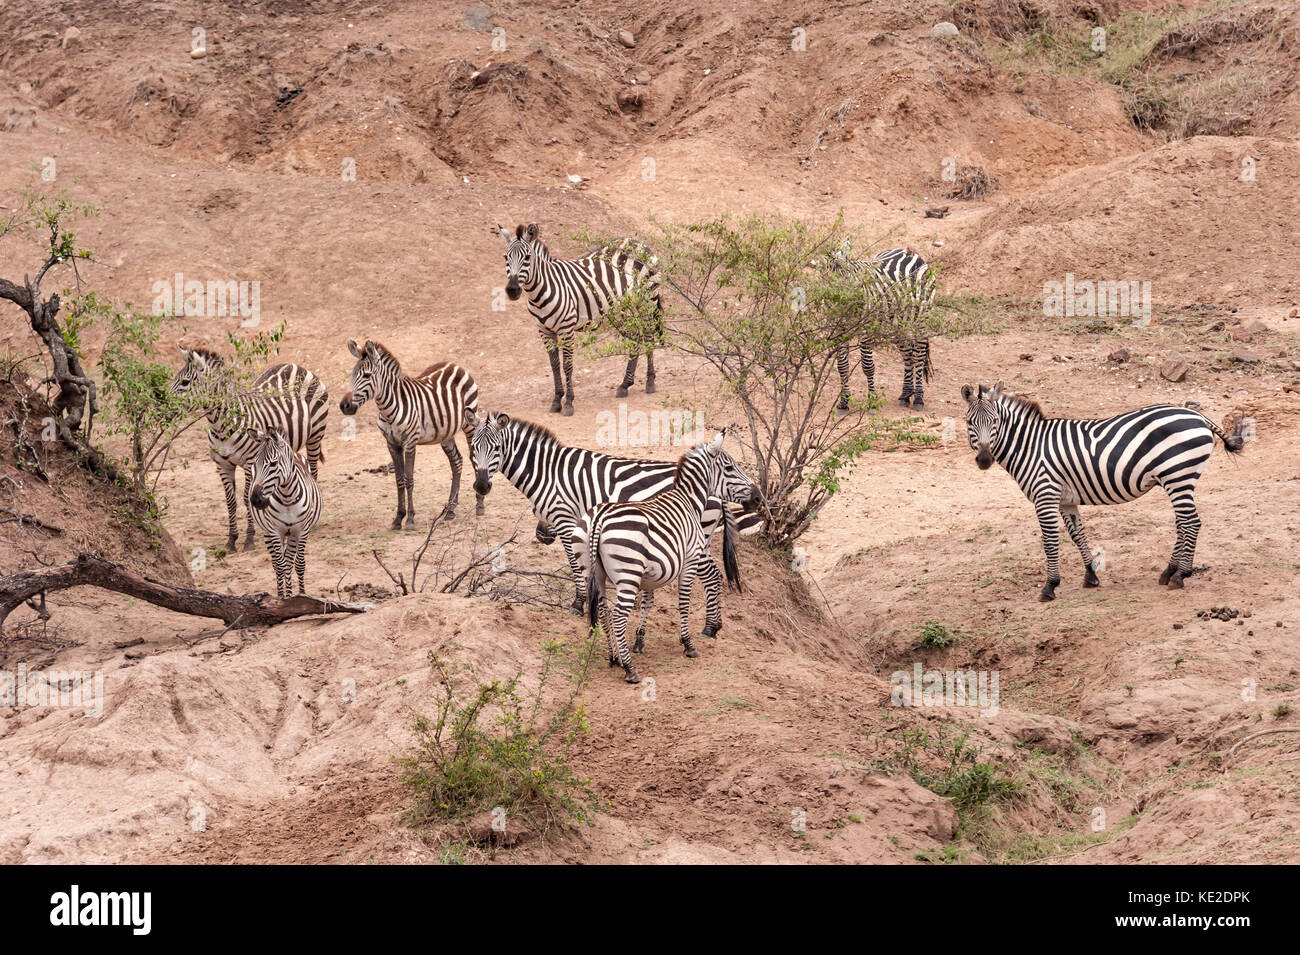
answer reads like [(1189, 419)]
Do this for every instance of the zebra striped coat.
[(644, 545), (286, 504), (1061, 463), (566, 296), (284, 396), (903, 287), (427, 409), (563, 483)]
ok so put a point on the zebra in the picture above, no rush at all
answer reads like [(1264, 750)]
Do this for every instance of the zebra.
[(427, 409), (284, 396), (563, 483), (903, 286), (286, 507), (1061, 463), (643, 545), (566, 296)]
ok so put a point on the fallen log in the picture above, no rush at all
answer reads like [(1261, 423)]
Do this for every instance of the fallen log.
[(245, 610)]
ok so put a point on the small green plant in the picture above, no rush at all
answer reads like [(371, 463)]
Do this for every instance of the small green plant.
[(1282, 711), (499, 747), (936, 636)]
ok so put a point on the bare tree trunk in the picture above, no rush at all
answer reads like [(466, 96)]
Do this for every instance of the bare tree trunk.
[(248, 610)]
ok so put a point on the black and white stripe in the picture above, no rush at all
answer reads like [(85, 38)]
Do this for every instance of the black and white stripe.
[(563, 483), (566, 296), (903, 289), (644, 545), (426, 409), (286, 505), (284, 396), (1061, 463)]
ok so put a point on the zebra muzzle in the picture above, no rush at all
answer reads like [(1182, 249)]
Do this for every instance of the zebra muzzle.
[(512, 291), (347, 405), (984, 458), (482, 482), (258, 499)]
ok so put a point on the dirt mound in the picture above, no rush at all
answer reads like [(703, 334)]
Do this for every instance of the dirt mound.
[(1158, 217)]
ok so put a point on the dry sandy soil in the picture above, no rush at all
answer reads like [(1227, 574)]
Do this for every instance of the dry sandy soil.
[(1117, 705)]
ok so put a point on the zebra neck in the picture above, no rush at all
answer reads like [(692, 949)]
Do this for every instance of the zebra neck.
[(523, 456), (400, 392), (1017, 421), (541, 271)]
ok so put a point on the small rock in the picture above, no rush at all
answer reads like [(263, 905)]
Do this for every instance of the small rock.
[(938, 212), (1174, 370), (943, 29), (626, 38), (1245, 356), (71, 37), (1240, 334), (199, 53), (642, 77), (937, 243), (1293, 313), (1118, 357), (1026, 357)]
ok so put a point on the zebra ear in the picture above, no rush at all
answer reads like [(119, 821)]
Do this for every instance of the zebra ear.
[(368, 349), (996, 391), (533, 231), (501, 419), (966, 393), (352, 347), (499, 231)]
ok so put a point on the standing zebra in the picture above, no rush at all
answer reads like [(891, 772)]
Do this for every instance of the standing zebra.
[(427, 409), (643, 545), (286, 507), (566, 296), (563, 483), (1061, 463), (283, 396), (903, 289)]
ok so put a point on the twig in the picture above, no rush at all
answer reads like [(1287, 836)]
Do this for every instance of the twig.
[(1247, 739)]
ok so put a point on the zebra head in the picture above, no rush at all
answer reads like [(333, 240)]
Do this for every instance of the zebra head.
[(701, 468), (271, 467), (200, 365), (488, 450), (983, 419), (737, 487), (523, 249), (371, 374)]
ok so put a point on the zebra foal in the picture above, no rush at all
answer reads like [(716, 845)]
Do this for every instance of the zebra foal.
[(1061, 463), (644, 545), (426, 409), (283, 396), (566, 296), (286, 506)]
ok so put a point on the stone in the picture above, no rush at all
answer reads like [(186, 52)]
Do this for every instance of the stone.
[(1118, 357), (943, 30), (199, 53), (1174, 370), (626, 38), (1245, 356), (71, 38), (477, 18)]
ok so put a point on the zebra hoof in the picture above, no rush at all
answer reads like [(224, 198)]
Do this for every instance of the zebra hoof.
[(639, 646), (577, 609), (1168, 574), (248, 545), (1047, 593), (1176, 582), (621, 392), (690, 651), (555, 406), (231, 545), (1090, 579), (479, 510), (918, 405), (613, 660), (710, 632), (905, 401), (649, 386), (631, 675), (397, 523), (448, 514), (568, 410)]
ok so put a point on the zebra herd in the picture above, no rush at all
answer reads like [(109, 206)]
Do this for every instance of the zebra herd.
[(629, 527)]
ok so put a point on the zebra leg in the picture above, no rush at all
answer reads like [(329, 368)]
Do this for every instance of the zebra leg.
[(454, 459), (227, 473), (399, 468), (842, 366), (579, 578), (566, 347), (647, 598), (275, 545), (1074, 524), (920, 351), (629, 376), (298, 548), (409, 468), (478, 498), (905, 399), (684, 609), (1048, 507), (313, 455), (625, 597), (1189, 528), (553, 353), (868, 365), (707, 571), (650, 371)]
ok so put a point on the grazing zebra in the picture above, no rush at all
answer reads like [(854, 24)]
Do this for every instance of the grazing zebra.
[(427, 409), (643, 545), (566, 296), (903, 287), (286, 507), (283, 396), (563, 483), (1061, 463)]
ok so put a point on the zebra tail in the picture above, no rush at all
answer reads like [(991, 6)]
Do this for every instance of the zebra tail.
[(928, 368), (593, 560), (730, 537), (1232, 443)]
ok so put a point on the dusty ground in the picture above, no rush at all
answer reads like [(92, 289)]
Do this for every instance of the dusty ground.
[(1120, 699)]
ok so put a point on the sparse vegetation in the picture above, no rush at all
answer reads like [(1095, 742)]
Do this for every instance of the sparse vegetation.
[(936, 636)]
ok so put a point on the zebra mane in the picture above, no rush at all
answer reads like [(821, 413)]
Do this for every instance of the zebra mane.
[(539, 430), (383, 349), (1029, 404), (208, 354)]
